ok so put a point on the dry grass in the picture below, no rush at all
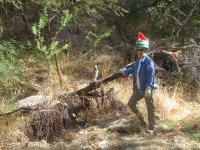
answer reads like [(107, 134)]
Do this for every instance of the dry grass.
[(171, 109), (11, 135), (85, 68)]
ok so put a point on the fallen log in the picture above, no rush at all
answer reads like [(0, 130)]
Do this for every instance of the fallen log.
[(96, 84), (93, 85)]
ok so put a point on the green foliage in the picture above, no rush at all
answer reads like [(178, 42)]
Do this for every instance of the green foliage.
[(196, 136), (18, 4), (43, 19), (65, 19), (36, 30), (8, 59), (103, 35), (11, 71), (191, 128), (55, 49), (37, 27), (98, 9), (1, 28), (52, 48)]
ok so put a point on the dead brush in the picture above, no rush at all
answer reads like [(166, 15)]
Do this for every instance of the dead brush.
[(49, 123), (72, 114), (111, 106), (102, 105)]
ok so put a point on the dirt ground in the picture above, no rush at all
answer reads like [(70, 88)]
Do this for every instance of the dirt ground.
[(117, 133)]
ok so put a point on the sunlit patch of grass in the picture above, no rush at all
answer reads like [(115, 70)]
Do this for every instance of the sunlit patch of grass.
[(11, 132), (11, 125), (78, 68), (84, 67), (196, 136), (6, 106), (191, 128), (193, 135)]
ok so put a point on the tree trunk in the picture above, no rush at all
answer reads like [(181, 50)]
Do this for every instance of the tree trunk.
[(58, 70)]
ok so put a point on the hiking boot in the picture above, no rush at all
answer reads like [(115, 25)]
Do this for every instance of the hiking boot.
[(143, 132), (152, 127), (150, 132)]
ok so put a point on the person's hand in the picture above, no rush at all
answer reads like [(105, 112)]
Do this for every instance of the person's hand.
[(148, 92), (122, 70)]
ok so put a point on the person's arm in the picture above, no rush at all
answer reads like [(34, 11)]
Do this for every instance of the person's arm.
[(150, 70), (130, 70), (130, 65)]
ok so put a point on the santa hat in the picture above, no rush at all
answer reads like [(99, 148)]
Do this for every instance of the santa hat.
[(142, 42)]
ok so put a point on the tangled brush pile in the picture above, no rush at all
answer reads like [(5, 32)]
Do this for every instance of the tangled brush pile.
[(49, 123), (72, 115)]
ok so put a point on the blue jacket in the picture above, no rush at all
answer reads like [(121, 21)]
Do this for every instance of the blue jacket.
[(146, 73)]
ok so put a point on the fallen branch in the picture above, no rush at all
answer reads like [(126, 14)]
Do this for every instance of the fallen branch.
[(187, 46), (93, 85), (96, 84), (22, 110)]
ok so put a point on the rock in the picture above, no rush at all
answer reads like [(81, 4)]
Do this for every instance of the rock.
[(33, 100)]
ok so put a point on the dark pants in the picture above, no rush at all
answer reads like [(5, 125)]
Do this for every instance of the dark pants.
[(136, 96)]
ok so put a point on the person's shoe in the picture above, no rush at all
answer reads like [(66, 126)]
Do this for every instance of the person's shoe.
[(143, 132), (150, 132), (152, 127)]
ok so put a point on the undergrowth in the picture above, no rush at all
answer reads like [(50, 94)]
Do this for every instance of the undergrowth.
[(12, 71)]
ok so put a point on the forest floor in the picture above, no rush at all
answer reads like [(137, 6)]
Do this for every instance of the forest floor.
[(178, 121), (178, 128)]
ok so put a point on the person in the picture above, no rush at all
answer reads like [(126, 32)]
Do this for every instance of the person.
[(143, 71)]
